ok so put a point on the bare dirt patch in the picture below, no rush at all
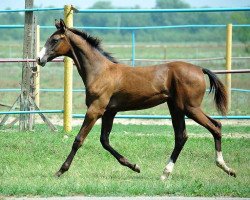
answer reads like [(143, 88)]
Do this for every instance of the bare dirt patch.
[(56, 120), (77, 122)]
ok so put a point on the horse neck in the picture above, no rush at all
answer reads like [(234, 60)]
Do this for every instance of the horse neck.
[(89, 61)]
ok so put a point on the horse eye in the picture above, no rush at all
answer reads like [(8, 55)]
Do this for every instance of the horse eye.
[(54, 41)]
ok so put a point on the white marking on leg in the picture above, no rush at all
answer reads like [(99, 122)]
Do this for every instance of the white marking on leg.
[(42, 53), (220, 161), (168, 169), (221, 164), (219, 157)]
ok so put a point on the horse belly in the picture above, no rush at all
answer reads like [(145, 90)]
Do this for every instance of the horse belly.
[(120, 103)]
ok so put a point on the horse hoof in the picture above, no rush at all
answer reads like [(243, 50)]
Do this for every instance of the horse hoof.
[(58, 174), (164, 177), (232, 173), (137, 168)]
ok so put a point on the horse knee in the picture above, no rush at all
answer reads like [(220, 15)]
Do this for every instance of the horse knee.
[(94, 113), (217, 124)]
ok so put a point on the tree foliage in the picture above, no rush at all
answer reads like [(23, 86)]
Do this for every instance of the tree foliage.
[(242, 34)]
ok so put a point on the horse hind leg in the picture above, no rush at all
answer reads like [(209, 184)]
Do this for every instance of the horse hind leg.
[(215, 128), (178, 121), (107, 123)]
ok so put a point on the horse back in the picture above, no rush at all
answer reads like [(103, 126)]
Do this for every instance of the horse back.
[(145, 87)]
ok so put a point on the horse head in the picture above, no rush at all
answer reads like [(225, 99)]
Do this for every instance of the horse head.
[(56, 45)]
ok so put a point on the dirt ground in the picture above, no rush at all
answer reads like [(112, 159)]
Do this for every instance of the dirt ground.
[(77, 122)]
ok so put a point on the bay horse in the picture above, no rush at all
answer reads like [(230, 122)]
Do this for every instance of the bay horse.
[(112, 87)]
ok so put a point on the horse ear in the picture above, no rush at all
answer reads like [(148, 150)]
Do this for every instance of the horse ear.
[(62, 24), (57, 24)]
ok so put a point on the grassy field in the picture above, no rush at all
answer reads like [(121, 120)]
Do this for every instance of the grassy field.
[(28, 161)]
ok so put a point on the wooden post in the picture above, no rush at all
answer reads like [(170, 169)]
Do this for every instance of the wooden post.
[(229, 63), (28, 52), (30, 83), (68, 76)]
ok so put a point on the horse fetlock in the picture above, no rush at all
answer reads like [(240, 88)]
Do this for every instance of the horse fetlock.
[(125, 162), (221, 164), (168, 170), (63, 169), (225, 168), (232, 173), (58, 174), (136, 168)]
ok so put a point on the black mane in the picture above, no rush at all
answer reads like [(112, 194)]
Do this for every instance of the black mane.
[(94, 42)]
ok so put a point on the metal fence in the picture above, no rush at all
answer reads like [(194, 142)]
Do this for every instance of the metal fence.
[(133, 58)]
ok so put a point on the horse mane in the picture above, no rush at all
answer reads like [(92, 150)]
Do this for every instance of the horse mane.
[(94, 42)]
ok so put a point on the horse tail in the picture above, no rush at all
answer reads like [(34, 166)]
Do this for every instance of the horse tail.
[(220, 94)]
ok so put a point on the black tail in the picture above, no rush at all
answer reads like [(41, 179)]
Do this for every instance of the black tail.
[(220, 94)]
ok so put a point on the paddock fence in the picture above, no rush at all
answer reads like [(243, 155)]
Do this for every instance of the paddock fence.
[(69, 11)]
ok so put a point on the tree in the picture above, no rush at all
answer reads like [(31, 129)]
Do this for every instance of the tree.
[(242, 33), (98, 19), (102, 5), (161, 4), (170, 18)]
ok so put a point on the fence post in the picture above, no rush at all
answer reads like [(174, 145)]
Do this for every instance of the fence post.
[(26, 120), (229, 62), (68, 76), (37, 76)]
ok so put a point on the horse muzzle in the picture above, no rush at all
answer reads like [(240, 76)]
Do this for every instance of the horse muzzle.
[(41, 62), (42, 57)]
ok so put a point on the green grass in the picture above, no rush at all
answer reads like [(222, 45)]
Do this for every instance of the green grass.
[(28, 161)]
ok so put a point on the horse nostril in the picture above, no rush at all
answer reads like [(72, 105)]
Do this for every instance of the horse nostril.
[(38, 60)]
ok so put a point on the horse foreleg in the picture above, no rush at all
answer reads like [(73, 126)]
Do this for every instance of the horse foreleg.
[(181, 137), (91, 116), (107, 123)]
